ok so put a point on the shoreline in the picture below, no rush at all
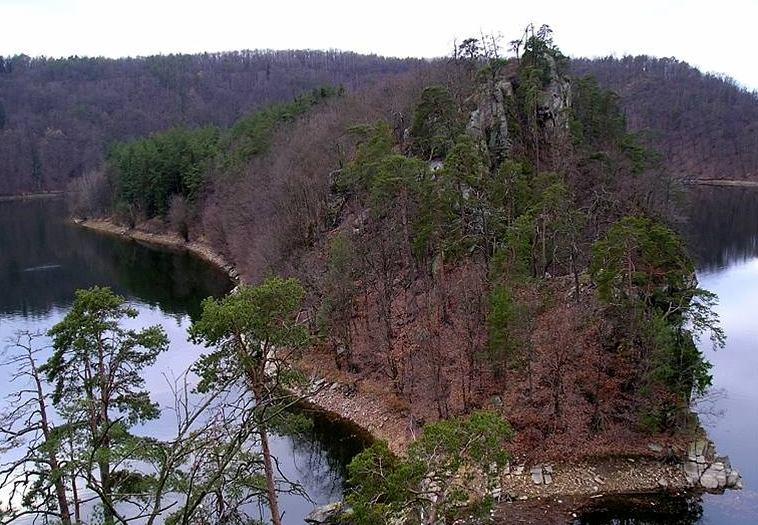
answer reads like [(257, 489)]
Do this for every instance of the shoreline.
[(579, 481), (31, 196), (166, 240), (726, 182)]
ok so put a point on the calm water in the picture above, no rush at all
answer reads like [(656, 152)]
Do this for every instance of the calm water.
[(43, 260), (724, 236)]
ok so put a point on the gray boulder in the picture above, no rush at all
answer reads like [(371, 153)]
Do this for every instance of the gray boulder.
[(326, 514)]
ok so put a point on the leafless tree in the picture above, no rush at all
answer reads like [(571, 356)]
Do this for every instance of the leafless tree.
[(37, 470)]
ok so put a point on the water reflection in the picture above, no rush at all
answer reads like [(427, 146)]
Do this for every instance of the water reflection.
[(326, 448), (643, 510), (722, 234), (43, 259), (722, 226)]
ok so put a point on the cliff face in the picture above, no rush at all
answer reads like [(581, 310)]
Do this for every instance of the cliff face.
[(555, 102), (495, 98), (488, 122)]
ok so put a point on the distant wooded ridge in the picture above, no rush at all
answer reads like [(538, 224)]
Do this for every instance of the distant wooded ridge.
[(59, 116), (704, 125)]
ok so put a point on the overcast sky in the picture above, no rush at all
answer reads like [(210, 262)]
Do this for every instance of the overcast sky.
[(717, 36)]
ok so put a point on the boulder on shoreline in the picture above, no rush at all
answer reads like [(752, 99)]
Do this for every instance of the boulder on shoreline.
[(704, 469)]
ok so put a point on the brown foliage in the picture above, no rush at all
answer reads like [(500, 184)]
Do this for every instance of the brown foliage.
[(266, 217), (705, 125), (61, 114)]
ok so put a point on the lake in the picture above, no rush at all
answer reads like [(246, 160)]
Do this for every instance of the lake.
[(43, 259)]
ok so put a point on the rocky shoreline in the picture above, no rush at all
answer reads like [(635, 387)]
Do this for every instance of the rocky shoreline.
[(31, 196), (167, 240), (701, 471), (727, 182), (562, 486)]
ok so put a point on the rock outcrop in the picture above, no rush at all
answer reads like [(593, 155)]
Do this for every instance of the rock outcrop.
[(488, 123), (329, 514), (555, 101), (703, 469)]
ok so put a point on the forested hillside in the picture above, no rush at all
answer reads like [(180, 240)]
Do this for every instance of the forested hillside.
[(58, 116), (479, 233), (704, 125)]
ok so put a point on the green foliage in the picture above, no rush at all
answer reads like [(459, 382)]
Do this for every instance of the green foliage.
[(148, 171), (505, 318), (598, 129), (251, 135), (374, 144), (677, 361), (470, 49), (596, 115), (455, 215), (379, 175), (244, 327), (435, 123), (381, 484), (475, 440), (434, 477), (542, 57), (90, 337), (339, 288), (396, 175), (642, 269), (640, 260), (96, 369)]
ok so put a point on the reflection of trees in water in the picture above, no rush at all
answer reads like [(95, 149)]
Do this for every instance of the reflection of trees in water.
[(642, 510), (325, 448), (722, 226), (43, 260)]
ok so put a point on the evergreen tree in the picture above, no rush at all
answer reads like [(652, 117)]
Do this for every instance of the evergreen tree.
[(251, 330), (96, 369), (435, 123)]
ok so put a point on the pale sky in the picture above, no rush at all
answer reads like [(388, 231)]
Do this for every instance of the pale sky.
[(716, 36)]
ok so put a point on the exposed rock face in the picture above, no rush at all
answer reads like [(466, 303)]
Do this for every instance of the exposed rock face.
[(488, 123), (702, 468), (554, 102), (331, 513)]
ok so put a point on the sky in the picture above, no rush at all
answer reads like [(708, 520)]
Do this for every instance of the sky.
[(716, 36)]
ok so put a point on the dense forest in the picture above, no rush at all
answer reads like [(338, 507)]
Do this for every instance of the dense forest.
[(479, 244), (481, 229), (704, 125), (58, 116)]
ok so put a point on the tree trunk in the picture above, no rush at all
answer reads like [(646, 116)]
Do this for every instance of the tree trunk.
[(268, 467), (105, 481), (60, 488)]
